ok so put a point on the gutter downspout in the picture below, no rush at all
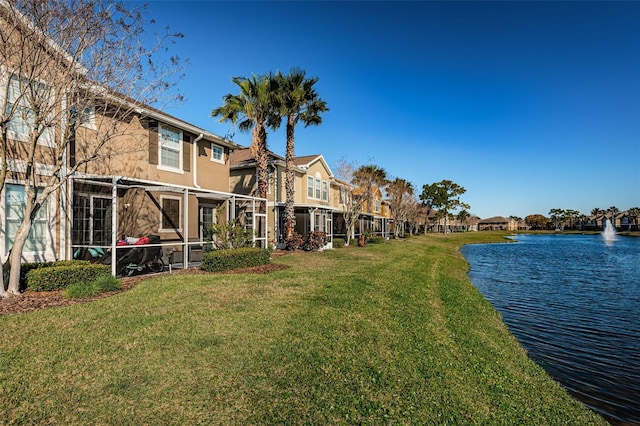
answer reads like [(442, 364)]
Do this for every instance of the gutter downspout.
[(195, 160)]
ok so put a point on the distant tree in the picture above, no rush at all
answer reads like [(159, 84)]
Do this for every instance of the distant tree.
[(443, 196), (556, 215), (255, 107), (536, 221), (416, 214), (367, 177), (462, 216), (400, 197), (298, 101), (597, 212), (571, 216)]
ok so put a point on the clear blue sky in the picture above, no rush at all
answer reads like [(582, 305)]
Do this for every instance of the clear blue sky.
[(528, 105)]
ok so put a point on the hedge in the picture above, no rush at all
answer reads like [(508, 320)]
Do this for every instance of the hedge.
[(59, 277), (29, 266), (224, 260)]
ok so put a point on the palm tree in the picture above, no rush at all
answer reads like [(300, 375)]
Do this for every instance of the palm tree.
[(366, 177), (613, 211), (462, 216), (298, 102), (634, 212), (255, 108)]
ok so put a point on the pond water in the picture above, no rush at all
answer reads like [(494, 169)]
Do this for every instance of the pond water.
[(574, 303)]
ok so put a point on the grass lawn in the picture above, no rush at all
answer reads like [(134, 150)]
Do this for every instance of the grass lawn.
[(391, 333)]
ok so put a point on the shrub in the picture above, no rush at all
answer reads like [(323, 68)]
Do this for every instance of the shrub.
[(231, 234), (338, 242), (108, 283), (29, 266), (224, 260), (316, 240), (80, 290), (375, 240), (59, 277), (87, 289), (294, 242)]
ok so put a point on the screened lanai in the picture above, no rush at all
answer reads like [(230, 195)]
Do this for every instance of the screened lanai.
[(106, 211)]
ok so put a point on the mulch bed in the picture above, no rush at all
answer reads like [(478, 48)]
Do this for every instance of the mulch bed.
[(35, 300)]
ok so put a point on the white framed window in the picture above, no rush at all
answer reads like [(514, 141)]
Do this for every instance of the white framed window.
[(310, 186), (343, 195), (318, 188), (14, 206), (86, 117), (170, 149), (20, 99), (377, 206), (171, 213), (325, 190), (217, 153)]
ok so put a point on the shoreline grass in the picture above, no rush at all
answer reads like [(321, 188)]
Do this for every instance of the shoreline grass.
[(388, 333)]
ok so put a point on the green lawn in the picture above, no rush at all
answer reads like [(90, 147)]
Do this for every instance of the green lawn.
[(391, 333)]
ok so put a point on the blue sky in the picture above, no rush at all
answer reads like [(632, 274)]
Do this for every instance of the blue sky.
[(528, 105)]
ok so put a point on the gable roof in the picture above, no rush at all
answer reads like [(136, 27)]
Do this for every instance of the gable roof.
[(307, 161), (495, 219)]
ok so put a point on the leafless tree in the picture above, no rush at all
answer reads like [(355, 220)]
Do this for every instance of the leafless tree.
[(74, 77), (350, 202)]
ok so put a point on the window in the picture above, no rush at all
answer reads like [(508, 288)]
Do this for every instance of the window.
[(343, 196), (91, 219), (20, 99), (325, 191), (86, 117), (318, 188), (377, 206), (170, 145), (15, 203), (170, 214), (309, 186), (217, 153)]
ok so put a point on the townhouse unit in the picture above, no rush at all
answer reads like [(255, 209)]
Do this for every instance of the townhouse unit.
[(319, 198), (114, 167)]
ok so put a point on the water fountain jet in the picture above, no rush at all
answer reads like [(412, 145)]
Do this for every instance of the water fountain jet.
[(609, 233)]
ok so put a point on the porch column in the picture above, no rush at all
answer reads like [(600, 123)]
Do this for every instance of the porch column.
[(114, 224), (185, 228)]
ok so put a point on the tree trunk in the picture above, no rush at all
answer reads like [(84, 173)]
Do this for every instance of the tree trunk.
[(289, 213), (16, 255), (2, 291), (259, 146)]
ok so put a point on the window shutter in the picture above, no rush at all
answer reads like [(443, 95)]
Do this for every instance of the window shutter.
[(153, 142), (186, 153)]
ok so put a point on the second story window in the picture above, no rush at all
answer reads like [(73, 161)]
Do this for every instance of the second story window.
[(170, 146), (217, 153), (22, 96), (377, 206), (310, 187), (318, 188), (325, 190)]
